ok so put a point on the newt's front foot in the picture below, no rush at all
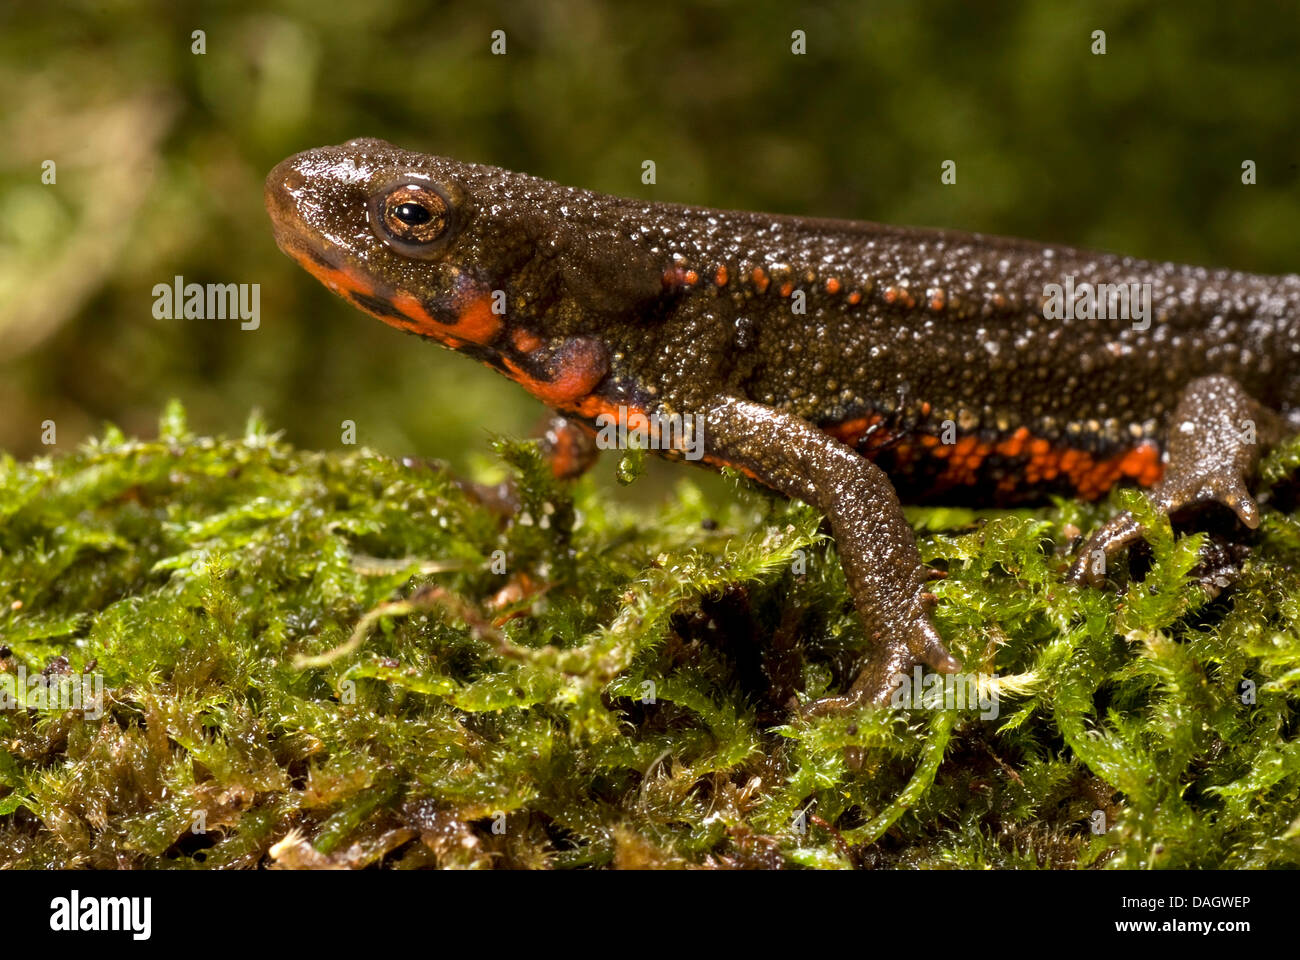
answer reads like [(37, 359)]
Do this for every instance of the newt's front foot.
[(567, 446), (912, 642), (875, 543)]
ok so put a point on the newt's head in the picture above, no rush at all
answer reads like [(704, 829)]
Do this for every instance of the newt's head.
[(397, 234), (523, 274)]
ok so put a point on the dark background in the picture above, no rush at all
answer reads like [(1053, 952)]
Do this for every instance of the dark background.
[(161, 156)]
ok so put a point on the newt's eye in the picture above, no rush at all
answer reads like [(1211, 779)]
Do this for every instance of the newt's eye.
[(412, 214), (410, 218)]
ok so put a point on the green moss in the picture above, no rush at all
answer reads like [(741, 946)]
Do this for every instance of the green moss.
[(332, 658)]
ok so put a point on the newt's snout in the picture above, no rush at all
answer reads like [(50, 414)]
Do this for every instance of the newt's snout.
[(290, 195), (278, 193)]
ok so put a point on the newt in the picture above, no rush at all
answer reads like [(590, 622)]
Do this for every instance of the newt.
[(850, 365)]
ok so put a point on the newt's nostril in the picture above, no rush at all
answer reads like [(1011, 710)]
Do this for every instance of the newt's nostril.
[(293, 180)]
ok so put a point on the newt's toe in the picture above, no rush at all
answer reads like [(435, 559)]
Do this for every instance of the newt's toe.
[(909, 645)]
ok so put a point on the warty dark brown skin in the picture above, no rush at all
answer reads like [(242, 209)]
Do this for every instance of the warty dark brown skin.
[(837, 362)]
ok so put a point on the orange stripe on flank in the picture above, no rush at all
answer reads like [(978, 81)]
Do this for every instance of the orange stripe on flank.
[(1040, 461), (850, 431)]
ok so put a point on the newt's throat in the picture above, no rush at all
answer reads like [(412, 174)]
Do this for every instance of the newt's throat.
[(472, 319)]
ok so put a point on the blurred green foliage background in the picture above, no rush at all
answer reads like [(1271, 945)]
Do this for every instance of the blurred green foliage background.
[(161, 153)]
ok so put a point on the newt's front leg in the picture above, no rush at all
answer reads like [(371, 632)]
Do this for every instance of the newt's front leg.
[(876, 545), (1216, 437)]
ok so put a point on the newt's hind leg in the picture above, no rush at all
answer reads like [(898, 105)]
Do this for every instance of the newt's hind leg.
[(1216, 437)]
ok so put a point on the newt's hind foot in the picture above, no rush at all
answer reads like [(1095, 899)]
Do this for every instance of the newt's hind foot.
[(1216, 438)]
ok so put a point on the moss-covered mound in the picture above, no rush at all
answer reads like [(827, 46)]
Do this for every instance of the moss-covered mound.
[(335, 659)]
